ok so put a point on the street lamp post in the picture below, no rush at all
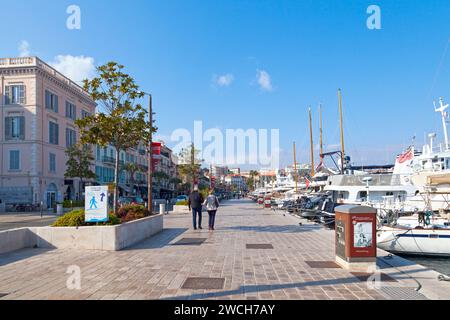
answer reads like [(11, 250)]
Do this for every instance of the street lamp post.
[(149, 171)]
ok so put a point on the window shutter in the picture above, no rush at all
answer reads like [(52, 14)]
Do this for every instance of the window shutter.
[(22, 94), (67, 138), (47, 99), (22, 128), (74, 115), (56, 103), (8, 135), (7, 94), (11, 160), (57, 133)]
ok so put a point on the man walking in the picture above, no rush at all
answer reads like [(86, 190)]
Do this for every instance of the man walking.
[(195, 204)]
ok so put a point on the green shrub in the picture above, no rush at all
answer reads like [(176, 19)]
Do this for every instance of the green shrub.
[(74, 204), (132, 212), (71, 219), (75, 218), (182, 203)]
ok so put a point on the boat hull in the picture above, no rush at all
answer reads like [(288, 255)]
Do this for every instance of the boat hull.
[(423, 242)]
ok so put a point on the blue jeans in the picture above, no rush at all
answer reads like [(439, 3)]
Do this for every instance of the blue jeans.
[(212, 218), (196, 211)]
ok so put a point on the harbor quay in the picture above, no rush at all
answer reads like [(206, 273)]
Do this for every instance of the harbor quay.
[(253, 254)]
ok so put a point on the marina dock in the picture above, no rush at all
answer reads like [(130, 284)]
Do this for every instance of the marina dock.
[(254, 253)]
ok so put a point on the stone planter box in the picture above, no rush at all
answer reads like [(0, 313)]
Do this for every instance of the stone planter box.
[(108, 238), (15, 239)]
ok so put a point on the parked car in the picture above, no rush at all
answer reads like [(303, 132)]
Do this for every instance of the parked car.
[(131, 200)]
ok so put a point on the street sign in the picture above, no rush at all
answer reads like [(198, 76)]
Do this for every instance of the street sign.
[(96, 204)]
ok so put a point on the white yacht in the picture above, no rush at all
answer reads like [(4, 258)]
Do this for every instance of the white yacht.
[(426, 232), (409, 236)]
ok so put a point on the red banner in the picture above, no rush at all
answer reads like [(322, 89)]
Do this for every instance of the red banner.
[(156, 149), (156, 154)]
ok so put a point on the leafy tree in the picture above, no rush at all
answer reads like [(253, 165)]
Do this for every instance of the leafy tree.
[(119, 121), (190, 164), (79, 162)]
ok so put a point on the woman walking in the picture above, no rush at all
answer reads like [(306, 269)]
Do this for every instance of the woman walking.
[(212, 203)]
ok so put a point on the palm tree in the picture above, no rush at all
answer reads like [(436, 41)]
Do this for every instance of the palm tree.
[(253, 175), (160, 176), (132, 168), (175, 182)]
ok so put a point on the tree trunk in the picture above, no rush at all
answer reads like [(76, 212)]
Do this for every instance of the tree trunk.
[(116, 181)]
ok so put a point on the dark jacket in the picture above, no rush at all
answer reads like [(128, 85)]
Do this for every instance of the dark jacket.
[(195, 200)]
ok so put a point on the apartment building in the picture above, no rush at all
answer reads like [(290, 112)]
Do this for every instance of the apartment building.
[(38, 107), (167, 164), (130, 182), (239, 182)]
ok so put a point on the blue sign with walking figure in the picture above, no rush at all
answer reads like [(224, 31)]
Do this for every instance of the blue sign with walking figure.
[(96, 204), (93, 203)]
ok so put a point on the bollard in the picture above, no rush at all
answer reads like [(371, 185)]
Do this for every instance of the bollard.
[(59, 209), (162, 208)]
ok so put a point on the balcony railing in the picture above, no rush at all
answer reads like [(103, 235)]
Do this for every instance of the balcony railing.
[(36, 62), (107, 159)]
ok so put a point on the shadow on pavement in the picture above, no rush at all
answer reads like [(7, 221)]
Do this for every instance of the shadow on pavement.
[(21, 254), (277, 229), (248, 289), (162, 239)]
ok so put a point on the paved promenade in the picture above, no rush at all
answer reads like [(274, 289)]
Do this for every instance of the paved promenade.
[(21, 220), (286, 267)]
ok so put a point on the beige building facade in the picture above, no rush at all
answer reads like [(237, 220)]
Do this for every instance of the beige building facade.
[(38, 107)]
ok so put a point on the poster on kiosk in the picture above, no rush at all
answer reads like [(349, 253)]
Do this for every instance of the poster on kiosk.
[(96, 204)]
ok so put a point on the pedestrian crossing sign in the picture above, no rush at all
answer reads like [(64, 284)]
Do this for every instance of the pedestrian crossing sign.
[(96, 204)]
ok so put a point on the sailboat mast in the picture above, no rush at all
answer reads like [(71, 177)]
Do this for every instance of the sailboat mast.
[(342, 130), (295, 169), (321, 132), (442, 108), (311, 142)]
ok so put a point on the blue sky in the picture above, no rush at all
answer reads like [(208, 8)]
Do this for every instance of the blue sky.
[(177, 50)]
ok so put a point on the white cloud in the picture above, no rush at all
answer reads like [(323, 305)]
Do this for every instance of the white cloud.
[(264, 80), (24, 48), (76, 68), (224, 80)]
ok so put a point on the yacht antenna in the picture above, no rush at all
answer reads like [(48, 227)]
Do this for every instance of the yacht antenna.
[(311, 142), (342, 130), (442, 109)]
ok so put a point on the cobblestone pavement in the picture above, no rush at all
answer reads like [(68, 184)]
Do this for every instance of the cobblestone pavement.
[(157, 269)]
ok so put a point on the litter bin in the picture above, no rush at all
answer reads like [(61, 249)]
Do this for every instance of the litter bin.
[(162, 208), (59, 209), (356, 246)]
